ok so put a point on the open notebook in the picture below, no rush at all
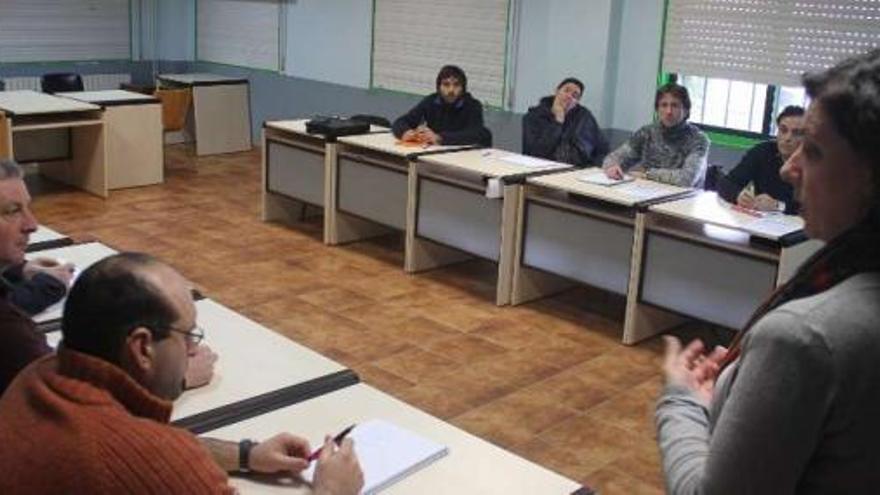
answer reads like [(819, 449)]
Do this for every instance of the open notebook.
[(388, 453), (597, 176)]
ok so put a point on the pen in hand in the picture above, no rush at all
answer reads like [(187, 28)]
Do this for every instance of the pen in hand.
[(337, 440)]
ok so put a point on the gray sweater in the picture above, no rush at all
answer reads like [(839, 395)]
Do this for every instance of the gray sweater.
[(675, 155), (798, 412)]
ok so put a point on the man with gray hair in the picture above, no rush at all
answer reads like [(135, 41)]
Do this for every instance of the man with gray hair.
[(22, 344)]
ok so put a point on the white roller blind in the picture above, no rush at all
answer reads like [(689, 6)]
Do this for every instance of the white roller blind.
[(238, 32), (55, 30), (766, 41), (414, 38)]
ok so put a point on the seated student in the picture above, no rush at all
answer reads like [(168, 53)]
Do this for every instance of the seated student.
[(93, 418), (37, 284), (560, 129), (761, 166), (22, 343), (449, 116), (671, 150)]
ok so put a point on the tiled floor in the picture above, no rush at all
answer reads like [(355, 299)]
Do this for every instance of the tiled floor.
[(548, 380)]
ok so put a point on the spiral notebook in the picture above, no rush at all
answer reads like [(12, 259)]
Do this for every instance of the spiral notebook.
[(388, 453)]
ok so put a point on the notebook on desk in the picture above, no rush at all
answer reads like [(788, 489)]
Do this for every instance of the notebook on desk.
[(388, 453), (598, 177)]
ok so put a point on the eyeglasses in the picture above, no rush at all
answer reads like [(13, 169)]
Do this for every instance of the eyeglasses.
[(194, 337)]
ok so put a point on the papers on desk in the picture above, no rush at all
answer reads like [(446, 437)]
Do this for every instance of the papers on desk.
[(388, 453), (644, 190), (598, 177), (526, 161), (775, 225)]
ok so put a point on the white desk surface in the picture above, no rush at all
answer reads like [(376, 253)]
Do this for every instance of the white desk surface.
[(200, 77), (82, 256), (44, 234), (27, 102), (472, 465), (117, 96), (387, 143), (708, 208), (298, 126), (626, 194), (490, 162), (253, 360)]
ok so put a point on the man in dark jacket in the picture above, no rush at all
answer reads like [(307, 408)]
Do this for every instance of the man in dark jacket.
[(760, 166), (560, 129), (449, 116)]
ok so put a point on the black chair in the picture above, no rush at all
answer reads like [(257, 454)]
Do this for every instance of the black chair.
[(61, 82), (372, 120)]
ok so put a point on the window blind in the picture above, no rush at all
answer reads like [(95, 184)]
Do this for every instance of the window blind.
[(413, 39), (63, 30), (238, 32), (766, 41)]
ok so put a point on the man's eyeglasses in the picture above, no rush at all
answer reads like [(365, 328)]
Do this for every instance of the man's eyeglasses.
[(194, 337)]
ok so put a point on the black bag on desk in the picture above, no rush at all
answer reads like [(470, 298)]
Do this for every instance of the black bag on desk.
[(334, 127)]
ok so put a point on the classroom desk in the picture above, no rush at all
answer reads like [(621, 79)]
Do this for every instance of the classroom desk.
[(29, 125), (569, 231), (220, 121), (133, 133), (46, 238), (467, 200), (705, 260), (82, 256), (371, 180), (253, 361), (297, 171), (471, 466)]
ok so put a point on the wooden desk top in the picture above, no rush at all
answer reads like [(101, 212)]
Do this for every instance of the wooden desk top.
[(387, 143), (493, 162), (253, 360), (626, 194), (201, 79), (110, 97), (708, 208), (472, 465), (27, 102), (298, 126)]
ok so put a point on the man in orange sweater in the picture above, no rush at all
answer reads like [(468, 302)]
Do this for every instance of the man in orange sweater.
[(94, 417)]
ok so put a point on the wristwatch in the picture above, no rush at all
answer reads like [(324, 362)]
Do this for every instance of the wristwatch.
[(244, 454)]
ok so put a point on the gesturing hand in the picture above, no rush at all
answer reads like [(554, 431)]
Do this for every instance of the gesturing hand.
[(692, 368)]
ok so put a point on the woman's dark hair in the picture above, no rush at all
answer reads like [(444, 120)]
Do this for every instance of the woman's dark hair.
[(109, 300), (577, 82), (790, 111), (849, 95), (452, 71), (678, 91)]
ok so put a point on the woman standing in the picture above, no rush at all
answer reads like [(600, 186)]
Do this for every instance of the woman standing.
[(793, 406)]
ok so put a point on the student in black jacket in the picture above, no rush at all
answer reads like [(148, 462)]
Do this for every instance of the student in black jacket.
[(761, 165), (449, 116), (560, 129)]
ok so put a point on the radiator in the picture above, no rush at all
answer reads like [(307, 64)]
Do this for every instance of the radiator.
[(91, 82)]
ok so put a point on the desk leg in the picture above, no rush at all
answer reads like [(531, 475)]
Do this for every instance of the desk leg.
[(642, 321), (340, 228), (422, 254), (5, 137), (509, 211), (87, 168), (528, 284)]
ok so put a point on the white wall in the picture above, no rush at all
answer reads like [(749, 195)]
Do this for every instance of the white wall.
[(330, 41), (638, 59), (177, 34), (560, 38)]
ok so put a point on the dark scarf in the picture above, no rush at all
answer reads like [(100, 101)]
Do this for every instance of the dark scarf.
[(855, 251)]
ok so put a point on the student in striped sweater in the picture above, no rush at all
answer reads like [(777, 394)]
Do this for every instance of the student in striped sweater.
[(671, 150), (93, 418)]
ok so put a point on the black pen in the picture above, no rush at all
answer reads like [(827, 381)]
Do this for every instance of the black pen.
[(337, 440)]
